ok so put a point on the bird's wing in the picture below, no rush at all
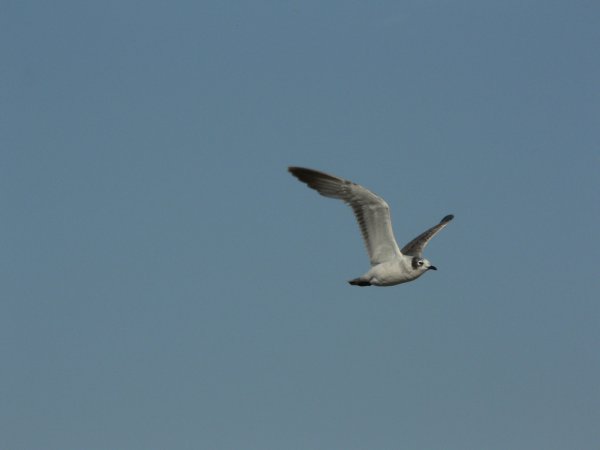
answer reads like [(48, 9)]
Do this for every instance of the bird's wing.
[(371, 211), (416, 246)]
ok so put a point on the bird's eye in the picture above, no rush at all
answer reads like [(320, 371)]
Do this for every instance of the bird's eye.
[(420, 262)]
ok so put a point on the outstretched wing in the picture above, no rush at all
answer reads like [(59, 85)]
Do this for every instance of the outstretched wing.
[(416, 246), (371, 211)]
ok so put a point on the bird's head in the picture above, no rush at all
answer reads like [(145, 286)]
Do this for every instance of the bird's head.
[(422, 265)]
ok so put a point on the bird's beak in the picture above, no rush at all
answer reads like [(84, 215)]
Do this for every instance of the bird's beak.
[(432, 268)]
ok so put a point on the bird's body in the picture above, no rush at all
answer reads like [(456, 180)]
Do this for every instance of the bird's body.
[(398, 270), (389, 264)]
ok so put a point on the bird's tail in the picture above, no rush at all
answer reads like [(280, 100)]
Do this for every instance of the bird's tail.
[(359, 282)]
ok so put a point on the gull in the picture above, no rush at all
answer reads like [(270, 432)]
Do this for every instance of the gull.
[(389, 265)]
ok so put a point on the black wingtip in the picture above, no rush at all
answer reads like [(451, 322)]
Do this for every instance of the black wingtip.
[(301, 172), (447, 219), (298, 172), (311, 176)]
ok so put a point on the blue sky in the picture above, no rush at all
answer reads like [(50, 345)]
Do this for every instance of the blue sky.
[(167, 284)]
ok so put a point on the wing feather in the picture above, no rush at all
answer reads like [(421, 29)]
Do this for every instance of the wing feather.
[(418, 244), (371, 211)]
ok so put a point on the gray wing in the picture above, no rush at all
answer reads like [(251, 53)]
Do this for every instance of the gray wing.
[(416, 246), (371, 211)]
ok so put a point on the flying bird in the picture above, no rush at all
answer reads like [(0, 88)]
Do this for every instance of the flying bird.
[(389, 264)]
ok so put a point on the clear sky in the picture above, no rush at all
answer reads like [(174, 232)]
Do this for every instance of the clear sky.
[(166, 284)]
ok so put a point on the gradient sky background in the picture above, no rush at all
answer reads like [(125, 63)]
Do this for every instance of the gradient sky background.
[(166, 284)]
